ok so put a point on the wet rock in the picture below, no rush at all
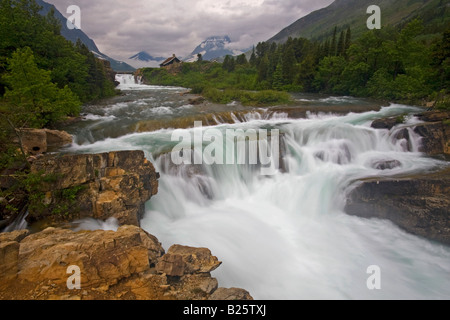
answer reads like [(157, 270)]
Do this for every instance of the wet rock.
[(386, 164), (435, 138), (419, 204), (386, 123), (434, 116)]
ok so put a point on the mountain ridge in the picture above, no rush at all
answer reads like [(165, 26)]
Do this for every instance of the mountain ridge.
[(319, 24), (74, 34)]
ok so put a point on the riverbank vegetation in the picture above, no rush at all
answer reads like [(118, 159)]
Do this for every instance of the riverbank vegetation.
[(404, 64), (44, 79)]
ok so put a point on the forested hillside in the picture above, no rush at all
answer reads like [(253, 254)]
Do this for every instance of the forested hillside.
[(43, 77), (435, 15), (394, 63)]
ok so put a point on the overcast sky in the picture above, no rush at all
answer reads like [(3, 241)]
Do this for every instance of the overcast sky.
[(121, 28)]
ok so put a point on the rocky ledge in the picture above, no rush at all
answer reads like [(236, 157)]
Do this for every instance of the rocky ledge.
[(101, 186), (435, 131), (129, 264), (419, 204)]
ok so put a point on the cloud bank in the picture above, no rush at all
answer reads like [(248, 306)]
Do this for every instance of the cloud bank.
[(162, 27)]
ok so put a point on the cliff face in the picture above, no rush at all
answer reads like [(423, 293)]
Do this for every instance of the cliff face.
[(129, 264), (101, 186)]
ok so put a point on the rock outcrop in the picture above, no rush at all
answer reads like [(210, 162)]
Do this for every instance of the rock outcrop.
[(101, 186), (38, 141), (435, 138), (435, 131), (419, 204), (128, 264)]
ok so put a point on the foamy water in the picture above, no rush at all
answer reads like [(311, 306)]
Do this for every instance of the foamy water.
[(286, 236)]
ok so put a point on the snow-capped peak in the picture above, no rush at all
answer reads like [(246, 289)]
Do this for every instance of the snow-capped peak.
[(212, 48)]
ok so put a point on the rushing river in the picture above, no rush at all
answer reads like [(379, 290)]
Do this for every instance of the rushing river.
[(283, 236)]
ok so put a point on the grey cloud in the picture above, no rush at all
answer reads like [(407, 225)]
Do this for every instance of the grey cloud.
[(163, 27)]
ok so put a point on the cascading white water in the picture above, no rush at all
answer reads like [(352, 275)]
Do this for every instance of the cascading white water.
[(286, 236)]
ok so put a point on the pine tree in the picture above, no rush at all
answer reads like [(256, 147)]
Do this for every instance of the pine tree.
[(241, 60), (32, 100), (278, 82), (348, 39), (253, 58), (288, 64), (333, 43), (340, 50)]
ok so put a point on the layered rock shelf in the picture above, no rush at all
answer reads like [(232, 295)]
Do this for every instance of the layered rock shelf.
[(417, 204), (129, 264), (101, 186)]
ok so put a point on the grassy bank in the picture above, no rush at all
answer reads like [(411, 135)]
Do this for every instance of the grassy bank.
[(218, 85)]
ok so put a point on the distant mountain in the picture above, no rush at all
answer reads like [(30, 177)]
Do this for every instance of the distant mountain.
[(75, 34), (143, 59), (319, 24), (213, 48), (144, 56)]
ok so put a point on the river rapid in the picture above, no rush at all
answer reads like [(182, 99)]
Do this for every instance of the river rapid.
[(285, 235)]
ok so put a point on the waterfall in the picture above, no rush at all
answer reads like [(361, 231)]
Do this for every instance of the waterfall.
[(286, 236), (19, 223), (126, 79)]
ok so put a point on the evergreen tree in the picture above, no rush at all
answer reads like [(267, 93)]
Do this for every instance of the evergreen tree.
[(348, 39), (252, 60), (241, 60), (326, 48), (32, 100), (263, 69), (340, 50), (278, 81), (21, 25), (288, 64), (229, 63), (333, 43)]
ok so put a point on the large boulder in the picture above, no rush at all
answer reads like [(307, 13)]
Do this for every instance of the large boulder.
[(37, 141), (101, 186), (182, 260)]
